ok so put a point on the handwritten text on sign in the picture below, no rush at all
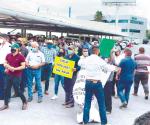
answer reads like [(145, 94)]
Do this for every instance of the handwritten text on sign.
[(63, 67)]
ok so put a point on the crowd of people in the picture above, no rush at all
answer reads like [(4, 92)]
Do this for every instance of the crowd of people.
[(25, 62)]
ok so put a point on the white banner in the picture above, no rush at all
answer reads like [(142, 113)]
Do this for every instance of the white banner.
[(105, 73), (79, 96)]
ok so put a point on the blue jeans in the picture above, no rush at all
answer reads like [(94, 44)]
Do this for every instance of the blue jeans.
[(57, 80), (46, 73), (34, 73), (97, 90), (2, 75), (124, 88), (24, 80)]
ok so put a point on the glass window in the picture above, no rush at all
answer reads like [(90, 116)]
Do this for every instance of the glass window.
[(136, 22), (124, 30), (134, 18), (134, 31), (123, 21), (140, 22), (112, 21)]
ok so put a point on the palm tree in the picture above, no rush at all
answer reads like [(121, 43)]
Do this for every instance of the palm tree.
[(98, 16)]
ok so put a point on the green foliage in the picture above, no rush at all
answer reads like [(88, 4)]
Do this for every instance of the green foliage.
[(98, 16), (148, 34)]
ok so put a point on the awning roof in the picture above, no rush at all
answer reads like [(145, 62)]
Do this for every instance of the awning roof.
[(16, 19)]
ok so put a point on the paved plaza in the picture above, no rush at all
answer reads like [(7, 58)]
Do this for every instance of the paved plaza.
[(52, 112)]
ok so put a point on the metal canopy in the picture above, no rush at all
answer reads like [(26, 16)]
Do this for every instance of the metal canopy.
[(16, 19)]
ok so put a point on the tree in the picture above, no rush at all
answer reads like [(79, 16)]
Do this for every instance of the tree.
[(98, 16), (148, 34)]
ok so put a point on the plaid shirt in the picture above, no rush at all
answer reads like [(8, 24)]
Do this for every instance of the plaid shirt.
[(49, 54)]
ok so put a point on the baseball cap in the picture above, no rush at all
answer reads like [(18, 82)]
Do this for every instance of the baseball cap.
[(15, 46)]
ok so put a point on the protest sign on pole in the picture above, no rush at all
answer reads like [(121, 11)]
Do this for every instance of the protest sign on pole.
[(63, 67), (106, 46)]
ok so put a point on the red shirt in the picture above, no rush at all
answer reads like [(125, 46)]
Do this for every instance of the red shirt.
[(15, 61)]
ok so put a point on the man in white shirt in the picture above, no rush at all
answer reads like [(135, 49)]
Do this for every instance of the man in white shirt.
[(35, 60), (95, 67), (4, 47), (79, 92), (4, 50)]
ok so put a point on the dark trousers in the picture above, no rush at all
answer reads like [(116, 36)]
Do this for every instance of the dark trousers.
[(143, 78), (46, 73), (24, 80), (10, 81), (108, 98), (2, 83), (97, 90), (23, 83), (68, 87)]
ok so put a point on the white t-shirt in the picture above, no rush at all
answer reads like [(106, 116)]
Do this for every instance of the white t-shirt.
[(4, 50), (81, 62), (35, 58), (119, 58), (97, 69)]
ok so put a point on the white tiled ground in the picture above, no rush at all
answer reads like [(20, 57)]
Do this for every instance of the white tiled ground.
[(52, 112)]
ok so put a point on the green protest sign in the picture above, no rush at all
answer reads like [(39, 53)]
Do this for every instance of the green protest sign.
[(106, 46)]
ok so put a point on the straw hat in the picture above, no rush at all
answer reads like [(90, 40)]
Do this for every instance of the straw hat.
[(49, 41), (22, 40)]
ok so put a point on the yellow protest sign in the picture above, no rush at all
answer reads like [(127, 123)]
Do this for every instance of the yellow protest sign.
[(63, 67)]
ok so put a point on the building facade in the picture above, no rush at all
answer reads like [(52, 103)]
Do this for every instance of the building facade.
[(134, 26)]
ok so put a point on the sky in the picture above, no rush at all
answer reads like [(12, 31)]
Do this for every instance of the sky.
[(79, 7)]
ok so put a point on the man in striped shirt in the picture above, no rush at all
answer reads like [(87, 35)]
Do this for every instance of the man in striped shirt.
[(142, 72)]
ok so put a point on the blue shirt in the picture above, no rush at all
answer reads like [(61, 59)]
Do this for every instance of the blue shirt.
[(75, 58), (88, 46), (49, 54), (128, 66)]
